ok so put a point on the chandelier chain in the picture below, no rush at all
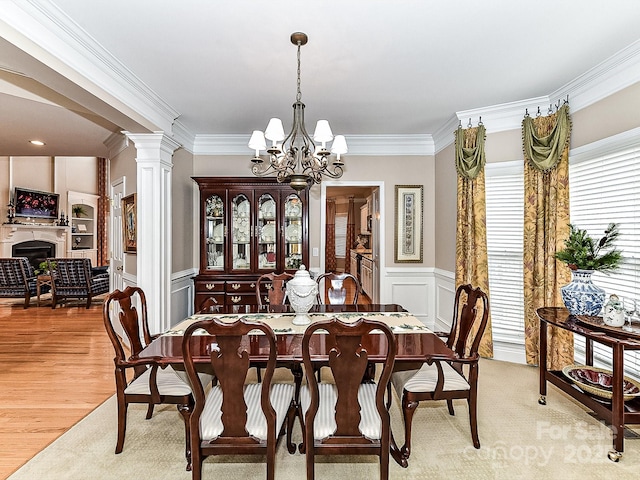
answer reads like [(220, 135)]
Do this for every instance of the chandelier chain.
[(299, 93)]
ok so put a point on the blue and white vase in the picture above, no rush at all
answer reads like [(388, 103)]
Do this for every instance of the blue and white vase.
[(582, 296)]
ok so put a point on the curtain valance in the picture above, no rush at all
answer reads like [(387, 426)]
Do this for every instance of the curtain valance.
[(544, 152), (470, 160)]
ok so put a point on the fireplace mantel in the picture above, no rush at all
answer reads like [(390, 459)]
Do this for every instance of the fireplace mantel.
[(12, 233)]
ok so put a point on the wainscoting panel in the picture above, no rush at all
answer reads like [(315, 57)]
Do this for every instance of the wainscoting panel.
[(445, 292), (410, 287), (182, 295)]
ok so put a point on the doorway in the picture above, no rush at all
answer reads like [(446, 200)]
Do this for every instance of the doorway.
[(367, 193)]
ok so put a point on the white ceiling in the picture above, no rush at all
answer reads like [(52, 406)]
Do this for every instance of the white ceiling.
[(402, 67)]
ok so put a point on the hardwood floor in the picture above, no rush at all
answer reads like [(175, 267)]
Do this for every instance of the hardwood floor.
[(56, 366)]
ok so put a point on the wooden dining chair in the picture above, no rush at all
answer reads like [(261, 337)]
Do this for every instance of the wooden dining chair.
[(443, 380), (125, 319), (338, 288), (348, 416), (275, 286), (235, 417), (210, 305)]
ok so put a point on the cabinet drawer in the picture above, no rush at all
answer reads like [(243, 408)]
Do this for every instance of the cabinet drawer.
[(241, 298), (244, 286), (209, 286)]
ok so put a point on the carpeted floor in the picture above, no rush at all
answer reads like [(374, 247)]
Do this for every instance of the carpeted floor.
[(520, 440)]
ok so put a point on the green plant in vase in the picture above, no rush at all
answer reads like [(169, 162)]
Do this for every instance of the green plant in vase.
[(584, 255), (43, 268), (78, 211)]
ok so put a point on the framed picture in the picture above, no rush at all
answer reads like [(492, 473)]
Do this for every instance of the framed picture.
[(129, 221), (408, 230)]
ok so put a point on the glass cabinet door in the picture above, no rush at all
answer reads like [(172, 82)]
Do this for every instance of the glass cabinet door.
[(267, 232), (214, 232), (293, 233), (241, 232)]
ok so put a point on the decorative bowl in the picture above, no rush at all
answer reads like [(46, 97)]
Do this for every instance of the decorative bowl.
[(599, 381)]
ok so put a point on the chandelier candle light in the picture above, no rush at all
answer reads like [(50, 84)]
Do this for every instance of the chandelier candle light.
[(298, 160)]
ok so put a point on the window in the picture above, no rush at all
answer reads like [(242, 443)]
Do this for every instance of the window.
[(504, 184), (341, 235), (605, 187)]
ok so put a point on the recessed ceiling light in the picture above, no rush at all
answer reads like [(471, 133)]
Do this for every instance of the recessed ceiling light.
[(37, 142)]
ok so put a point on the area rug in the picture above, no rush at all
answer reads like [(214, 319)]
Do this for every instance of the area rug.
[(520, 439)]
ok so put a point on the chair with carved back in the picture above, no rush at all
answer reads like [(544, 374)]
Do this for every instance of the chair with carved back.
[(275, 286), (210, 305), (442, 380), (348, 416), (125, 319), (235, 417), (339, 288)]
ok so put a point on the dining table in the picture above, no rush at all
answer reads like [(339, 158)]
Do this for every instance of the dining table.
[(415, 342)]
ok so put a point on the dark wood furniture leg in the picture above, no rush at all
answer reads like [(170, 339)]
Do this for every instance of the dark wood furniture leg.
[(542, 360)]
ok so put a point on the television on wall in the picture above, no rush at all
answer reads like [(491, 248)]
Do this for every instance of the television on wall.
[(35, 204)]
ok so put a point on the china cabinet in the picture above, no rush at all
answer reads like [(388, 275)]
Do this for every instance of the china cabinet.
[(248, 226)]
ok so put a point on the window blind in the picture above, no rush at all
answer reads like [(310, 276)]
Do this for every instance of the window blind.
[(504, 185), (604, 187)]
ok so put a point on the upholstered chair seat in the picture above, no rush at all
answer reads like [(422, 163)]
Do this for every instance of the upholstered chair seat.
[(167, 380), (425, 379), (280, 396), (325, 421)]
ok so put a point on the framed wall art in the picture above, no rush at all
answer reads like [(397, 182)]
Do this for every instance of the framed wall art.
[(408, 228), (129, 221)]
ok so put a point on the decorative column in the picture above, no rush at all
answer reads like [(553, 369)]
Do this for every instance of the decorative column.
[(154, 220)]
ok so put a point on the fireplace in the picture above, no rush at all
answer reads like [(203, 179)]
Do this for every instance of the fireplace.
[(35, 250)]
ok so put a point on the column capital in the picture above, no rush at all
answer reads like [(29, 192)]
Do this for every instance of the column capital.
[(148, 144)]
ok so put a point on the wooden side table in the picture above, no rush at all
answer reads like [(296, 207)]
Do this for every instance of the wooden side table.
[(42, 280)]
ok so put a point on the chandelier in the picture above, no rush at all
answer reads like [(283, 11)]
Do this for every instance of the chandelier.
[(296, 159)]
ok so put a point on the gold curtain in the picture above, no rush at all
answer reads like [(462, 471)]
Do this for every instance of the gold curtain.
[(471, 225), (330, 237), (546, 226), (351, 234)]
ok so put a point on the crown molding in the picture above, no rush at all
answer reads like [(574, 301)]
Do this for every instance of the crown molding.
[(614, 74), (373, 145), (46, 33), (444, 136), (116, 143)]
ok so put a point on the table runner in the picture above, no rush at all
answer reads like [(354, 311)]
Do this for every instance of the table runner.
[(400, 322)]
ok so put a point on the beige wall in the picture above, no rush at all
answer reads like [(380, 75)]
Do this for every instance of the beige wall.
[(612, 115), (48, 174), (392, 170), (445, 210), (185, 216), (124, 165)]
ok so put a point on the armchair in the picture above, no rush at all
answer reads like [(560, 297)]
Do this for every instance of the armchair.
[(17, 279), (442, 380), (72, 278)]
